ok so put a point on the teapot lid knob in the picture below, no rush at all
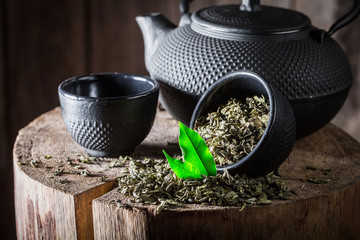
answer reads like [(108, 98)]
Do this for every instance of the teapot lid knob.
[(250, 5)]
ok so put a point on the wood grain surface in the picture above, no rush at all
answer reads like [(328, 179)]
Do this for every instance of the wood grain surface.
[(70, 205)]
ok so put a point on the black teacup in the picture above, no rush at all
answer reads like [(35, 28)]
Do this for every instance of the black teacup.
[(109, 114)]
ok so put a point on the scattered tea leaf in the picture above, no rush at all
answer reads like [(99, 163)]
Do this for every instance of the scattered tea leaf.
[(34, 163), (85, 173), (311, 167), (116, 163), (78, 167), (318, 180), (63, 181), (326, 171), (152, 181), (58, 171), (89, 160), (68, 161), (102, 179), (161, 206)]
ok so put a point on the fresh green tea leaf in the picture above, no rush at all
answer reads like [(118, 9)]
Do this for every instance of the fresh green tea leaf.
[(195, 151), (184, 170)]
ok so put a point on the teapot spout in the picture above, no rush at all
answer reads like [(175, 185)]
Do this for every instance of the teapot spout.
[(154, 28)]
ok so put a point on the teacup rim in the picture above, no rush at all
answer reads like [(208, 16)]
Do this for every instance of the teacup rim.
[(69, 95)]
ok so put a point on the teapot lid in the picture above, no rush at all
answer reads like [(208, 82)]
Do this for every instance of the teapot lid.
[(231, 20)]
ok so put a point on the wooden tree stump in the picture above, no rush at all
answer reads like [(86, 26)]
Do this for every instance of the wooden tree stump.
[(62, 194)]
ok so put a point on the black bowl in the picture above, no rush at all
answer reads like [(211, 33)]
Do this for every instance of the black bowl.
[(109, 114), (277, 141), (311, 113)]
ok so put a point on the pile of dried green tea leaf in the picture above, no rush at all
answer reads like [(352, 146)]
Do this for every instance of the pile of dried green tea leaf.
[(233, 131), (151, 181)]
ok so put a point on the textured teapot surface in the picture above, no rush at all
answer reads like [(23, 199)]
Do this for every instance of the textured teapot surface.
[(230, 23), (303, 62), (301, 69)]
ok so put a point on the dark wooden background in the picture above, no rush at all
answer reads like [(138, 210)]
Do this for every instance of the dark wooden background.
[(43, 42)]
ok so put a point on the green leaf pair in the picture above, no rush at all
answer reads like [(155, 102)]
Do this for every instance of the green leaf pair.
[(198, 160)]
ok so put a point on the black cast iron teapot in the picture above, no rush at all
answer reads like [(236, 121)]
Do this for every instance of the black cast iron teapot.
[(305, 63)]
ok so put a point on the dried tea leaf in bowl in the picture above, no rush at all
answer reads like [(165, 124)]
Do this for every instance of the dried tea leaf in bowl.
[(233, 131)]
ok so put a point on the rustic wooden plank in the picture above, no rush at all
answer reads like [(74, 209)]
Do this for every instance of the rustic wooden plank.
[(279, 3), (47, 213), (44, 213), (310, 218), (41, 195), (321, 13), (45, 46), (116, 40), (3, 146), (349, 116), (59, 206), (7, 221), (325, 211)]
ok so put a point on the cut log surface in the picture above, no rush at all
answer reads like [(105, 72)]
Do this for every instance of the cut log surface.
[(55, 182), (60, 193)]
